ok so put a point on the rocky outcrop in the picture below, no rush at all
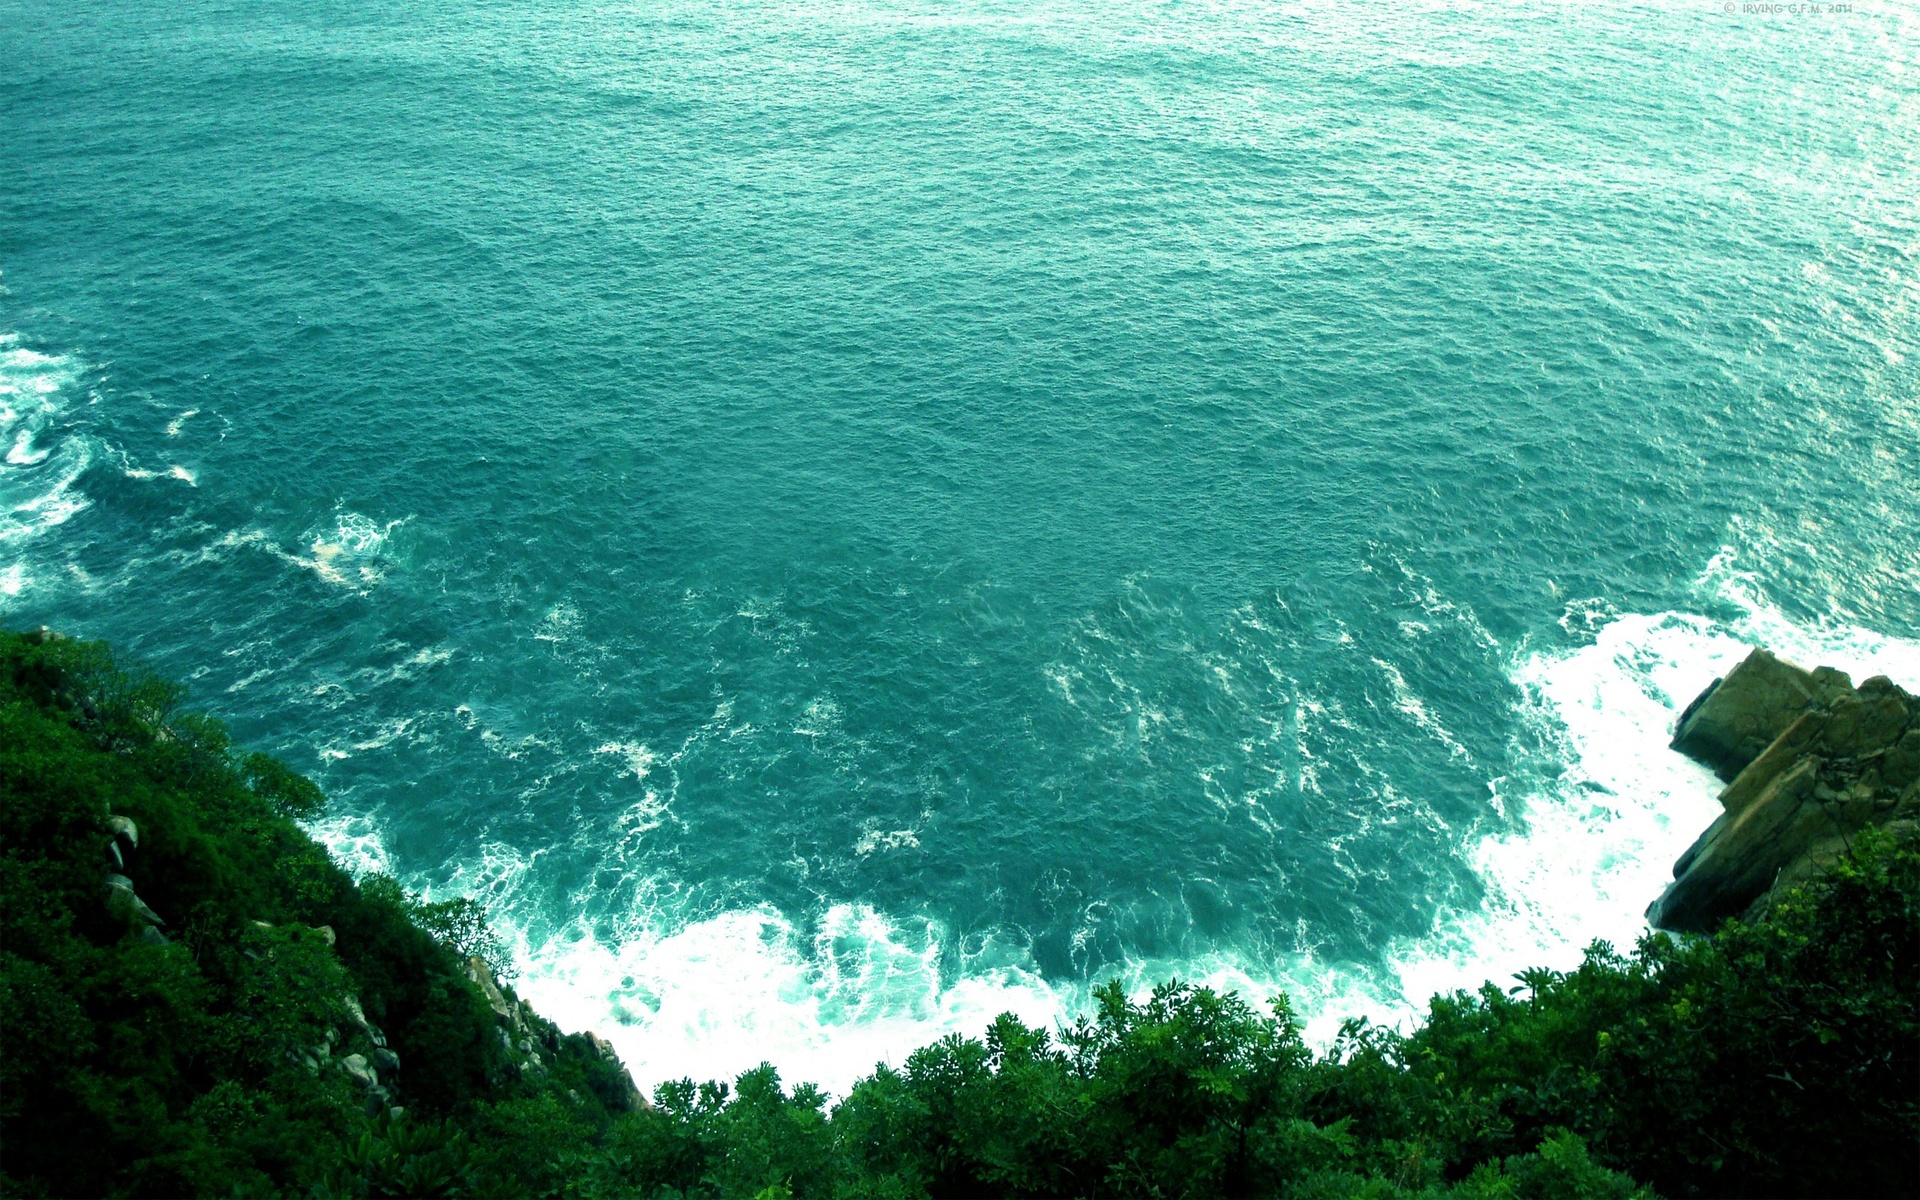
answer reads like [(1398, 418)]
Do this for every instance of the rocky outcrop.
[(533, 1043), (624, 1095), (122, 900), (1810, 760)]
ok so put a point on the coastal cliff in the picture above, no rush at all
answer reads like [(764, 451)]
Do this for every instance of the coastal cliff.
[(195, 1000), (1810, 761)]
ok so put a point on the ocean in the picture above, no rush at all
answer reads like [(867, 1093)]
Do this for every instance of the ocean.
[(838, 520)]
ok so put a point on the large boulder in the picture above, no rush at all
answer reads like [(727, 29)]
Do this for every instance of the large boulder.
[(122, 900), (1794, 741), (125, 830), (360, 1070), (1737, 717), (1900, 766), (1737, 857)]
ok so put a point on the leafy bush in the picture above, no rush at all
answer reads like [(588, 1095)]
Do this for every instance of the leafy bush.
[(203, 1055)]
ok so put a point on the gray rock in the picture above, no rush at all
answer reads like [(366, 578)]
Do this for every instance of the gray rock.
[(121, 899), (630, 1098), (1829, 684), (126, 830), (386, 1059), (1888, 710), (1783, 753), (1739, 855), (1837, 760), (1900, 765), (359, 1070), (506, 1010), (602, 1047)]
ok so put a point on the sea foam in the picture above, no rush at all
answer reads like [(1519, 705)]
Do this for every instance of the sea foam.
[(1600, 806), (44, 458), (1609, 807), (1604, 808)]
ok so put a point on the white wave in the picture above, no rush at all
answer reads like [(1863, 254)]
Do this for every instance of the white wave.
[(561, 622), (1600, 838), (874, 840), (24, 453), (185, 475), (44, 459), (353, 552), (638, 758), (1605, 808), (821, 718), (355, 843), (721, 995), (724, 994), (1410, 705)]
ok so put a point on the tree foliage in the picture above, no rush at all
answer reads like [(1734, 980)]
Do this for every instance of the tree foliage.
[(209, 1055)]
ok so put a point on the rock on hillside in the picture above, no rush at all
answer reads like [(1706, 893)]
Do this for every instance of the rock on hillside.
[(1810, 760)]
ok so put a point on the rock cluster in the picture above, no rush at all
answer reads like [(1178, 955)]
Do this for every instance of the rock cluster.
[(122, 900), (355, 1047), (1809, 760), (368, 1054)]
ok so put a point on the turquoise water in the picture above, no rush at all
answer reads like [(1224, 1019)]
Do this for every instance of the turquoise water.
[(837, 520)]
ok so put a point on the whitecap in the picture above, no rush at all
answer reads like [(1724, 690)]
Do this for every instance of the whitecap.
[(639, 760), (355, 843), (559, 624), (876, 840), (721, 995), (1409, 704), (350, 554), (45, 457)]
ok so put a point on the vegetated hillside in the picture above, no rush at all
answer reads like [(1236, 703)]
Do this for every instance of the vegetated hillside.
[(197, 1001)]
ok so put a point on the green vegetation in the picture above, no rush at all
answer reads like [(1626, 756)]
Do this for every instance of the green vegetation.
[(247, 1045)]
